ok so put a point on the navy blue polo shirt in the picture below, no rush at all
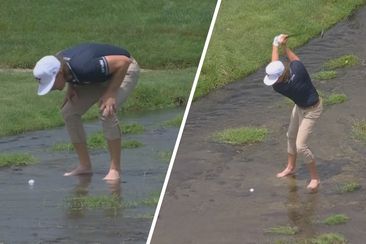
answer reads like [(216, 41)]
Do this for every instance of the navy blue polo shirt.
[(87, 62), (299, 87)]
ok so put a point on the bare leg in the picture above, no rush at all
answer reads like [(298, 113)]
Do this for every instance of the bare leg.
[(290, 168), (85, 166), (314, 182), (114, 147)]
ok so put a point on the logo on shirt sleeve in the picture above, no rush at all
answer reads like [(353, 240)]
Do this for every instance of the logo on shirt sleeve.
[(102, 66)]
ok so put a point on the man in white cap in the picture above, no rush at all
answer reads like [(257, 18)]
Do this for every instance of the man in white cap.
[(93, 73), (293, 81)]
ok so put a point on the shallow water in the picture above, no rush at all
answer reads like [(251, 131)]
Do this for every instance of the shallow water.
[(40, 214), (210, 182)]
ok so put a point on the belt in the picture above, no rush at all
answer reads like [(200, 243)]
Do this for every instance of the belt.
[(312, 106)]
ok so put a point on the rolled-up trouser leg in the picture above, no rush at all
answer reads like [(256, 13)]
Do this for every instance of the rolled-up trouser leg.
[(110, 124), (307, 122), (292, 131), (305, 129), (72, 111)]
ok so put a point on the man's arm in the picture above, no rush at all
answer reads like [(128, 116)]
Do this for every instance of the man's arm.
[(275, 46), (118, 66), (69, 95), (287, 51), (290, 54), (275, 54)]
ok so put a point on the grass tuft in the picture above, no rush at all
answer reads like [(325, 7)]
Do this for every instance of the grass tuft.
[(174, 122), (283, 230), (340, 62), (165, 156), (349, 187), (241, 136), (359, 130), (16, 159), (328, 100), (131, 144), (329, 238), (108, 202), (132, 129), (336, 219), (96, 141), (335, 98), (325, 75), (93, 202)]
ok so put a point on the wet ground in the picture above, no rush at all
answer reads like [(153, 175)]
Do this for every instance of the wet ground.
[(41, 213), (208, 198)]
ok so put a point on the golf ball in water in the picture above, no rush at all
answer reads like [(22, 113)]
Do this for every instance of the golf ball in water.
[(31, 182), (251, 190)]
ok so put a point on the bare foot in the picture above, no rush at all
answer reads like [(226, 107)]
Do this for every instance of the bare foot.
[(286, 172), (313, 185), (113, 174), (79, 171)]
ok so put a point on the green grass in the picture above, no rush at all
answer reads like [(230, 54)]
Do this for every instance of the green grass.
[(328, 99), (241, 136), (334, 98), (244, 30), (132, 129), (108, 202), (131, 144), (16, 159), (283, 230), (93, 202), (325, 75), (163, 34), (349, 187), (329, 238), (96, 141), (336, 219), (340, 62), (61, 146), (22, 110), (159, 34), (359, 130), (174, 122), (161, 89), (165, 156)]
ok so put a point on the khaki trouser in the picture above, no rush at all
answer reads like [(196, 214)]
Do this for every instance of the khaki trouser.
[(301, 126), (89, 95)]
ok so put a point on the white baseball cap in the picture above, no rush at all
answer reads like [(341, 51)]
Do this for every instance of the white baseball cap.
[(45, 72), (274, 70)]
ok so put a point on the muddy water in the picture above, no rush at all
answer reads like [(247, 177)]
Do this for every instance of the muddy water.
[(40, 214), (210, 183)]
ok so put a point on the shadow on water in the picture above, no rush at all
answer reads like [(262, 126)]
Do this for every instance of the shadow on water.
[(84, 209), (301, 211), (210, 182)]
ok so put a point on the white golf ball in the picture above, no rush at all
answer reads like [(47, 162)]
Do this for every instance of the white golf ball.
[(251, 190), (31, 182)]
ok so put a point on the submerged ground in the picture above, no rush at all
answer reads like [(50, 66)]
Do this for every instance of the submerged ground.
[(209, 188), (58, 209)]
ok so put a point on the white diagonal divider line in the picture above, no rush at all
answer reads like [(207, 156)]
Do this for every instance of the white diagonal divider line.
[(193, 89)]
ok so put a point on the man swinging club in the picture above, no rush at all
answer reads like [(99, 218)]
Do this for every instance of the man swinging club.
[(293, 81)]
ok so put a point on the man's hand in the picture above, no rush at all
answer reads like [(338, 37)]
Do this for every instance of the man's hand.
[(70, 94), (118, 66), (280, 40), (108, 105)]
